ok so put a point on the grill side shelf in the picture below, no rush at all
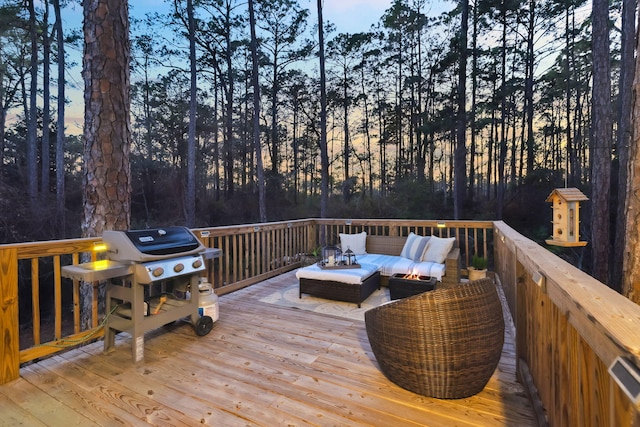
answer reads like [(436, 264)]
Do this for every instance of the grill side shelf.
[(96, 270)]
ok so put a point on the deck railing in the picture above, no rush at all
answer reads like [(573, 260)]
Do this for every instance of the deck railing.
[(570, 328), (41, 311)]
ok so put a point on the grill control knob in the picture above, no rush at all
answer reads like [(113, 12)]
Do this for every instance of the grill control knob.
[(157, 272), (178, 267), (197, 263)]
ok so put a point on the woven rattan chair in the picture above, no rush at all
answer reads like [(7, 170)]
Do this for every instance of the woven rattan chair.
[(444, 343)]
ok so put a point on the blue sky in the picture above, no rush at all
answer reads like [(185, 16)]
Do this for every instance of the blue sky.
[(349, 16), (352, 16)]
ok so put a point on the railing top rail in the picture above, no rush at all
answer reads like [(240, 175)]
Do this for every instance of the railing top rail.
[(226, 230), (66, 246), (407, 222), (607, 320), (52, 247)]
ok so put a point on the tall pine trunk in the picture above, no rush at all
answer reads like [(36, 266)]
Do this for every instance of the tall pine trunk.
[(107, 140), (262, 200), (602, 145), (624, 134), (32, 123), (324, 155), (460, 153), (45, 153), (631, 253), (190, 197), (60, 131), (503, 118)]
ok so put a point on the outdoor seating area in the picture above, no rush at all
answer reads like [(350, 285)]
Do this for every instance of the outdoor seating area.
[(387, 252), (382, 257)]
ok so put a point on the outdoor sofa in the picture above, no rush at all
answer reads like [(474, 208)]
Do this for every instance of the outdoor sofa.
[(382, 257)]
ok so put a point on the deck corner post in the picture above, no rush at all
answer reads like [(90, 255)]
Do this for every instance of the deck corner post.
[(9, 321)]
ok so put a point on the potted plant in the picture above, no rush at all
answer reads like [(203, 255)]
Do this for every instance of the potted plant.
[(478, 269), (312, 257)]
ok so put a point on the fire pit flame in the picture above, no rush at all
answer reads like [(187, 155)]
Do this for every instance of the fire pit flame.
[(411, 276)]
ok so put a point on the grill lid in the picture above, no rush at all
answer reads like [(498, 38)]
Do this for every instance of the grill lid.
[(151, 244)]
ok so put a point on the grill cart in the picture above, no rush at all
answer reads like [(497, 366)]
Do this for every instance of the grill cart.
[(143, 270)]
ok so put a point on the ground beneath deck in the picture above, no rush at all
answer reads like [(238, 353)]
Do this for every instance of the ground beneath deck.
[(261, 365)]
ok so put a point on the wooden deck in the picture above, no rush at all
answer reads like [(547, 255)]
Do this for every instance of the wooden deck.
[(261, 365)]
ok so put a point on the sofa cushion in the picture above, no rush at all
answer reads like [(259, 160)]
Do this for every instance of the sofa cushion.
[(353, 276), (428, 268), (414, 247), (356, 242), (437, 249)]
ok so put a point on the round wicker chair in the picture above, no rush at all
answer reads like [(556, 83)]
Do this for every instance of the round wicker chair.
[(444, 343)]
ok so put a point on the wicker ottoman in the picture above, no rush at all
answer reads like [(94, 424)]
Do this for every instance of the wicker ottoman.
[(349, 285)]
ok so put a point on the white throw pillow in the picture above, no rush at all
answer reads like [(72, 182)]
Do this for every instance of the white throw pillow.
[(356, 242), (414, 247), (437, 249)]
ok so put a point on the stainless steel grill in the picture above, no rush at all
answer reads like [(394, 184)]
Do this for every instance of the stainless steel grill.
[(142, 269)]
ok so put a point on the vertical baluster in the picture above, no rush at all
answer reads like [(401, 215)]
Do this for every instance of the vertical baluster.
[(35, 300)]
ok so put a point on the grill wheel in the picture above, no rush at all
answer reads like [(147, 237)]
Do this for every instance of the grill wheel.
[(203, 326)]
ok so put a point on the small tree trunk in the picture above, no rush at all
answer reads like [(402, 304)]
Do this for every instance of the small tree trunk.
[(190, 201), (45, 144), (60, 131), (324, 155), (32, 124), (460, 152)]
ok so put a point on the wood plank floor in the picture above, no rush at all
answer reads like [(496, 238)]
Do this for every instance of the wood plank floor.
[(261, 365)]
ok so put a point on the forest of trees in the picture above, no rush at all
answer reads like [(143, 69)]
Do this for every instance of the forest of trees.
[(476, 112)]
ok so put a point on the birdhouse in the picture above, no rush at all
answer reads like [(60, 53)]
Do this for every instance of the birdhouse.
[(566, 217)]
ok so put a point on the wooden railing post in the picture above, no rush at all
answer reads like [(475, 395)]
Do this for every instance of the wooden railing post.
[(9, 321)]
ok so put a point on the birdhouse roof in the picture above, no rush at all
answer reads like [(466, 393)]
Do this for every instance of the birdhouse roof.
[(568, 194)]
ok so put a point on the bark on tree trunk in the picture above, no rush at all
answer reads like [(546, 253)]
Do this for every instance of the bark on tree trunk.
[(631, 260), (624, 134), (107, 188), (107, 139), (602, 135)]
